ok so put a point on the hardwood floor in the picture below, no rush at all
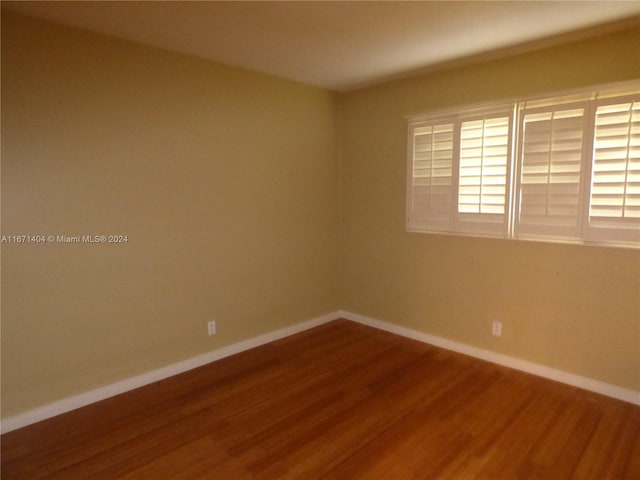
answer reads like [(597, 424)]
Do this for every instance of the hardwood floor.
[(341, 401)]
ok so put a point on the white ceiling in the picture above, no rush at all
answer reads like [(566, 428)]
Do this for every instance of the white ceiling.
[(341, 45)]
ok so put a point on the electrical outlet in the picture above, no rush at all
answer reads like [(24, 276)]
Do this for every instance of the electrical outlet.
[(496, 328), (211, 327)]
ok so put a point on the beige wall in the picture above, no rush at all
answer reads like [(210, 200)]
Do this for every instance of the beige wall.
[(573, 308), (260, 203), (225, 182)]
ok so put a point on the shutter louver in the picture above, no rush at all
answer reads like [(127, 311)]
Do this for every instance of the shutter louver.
[(551, 153)]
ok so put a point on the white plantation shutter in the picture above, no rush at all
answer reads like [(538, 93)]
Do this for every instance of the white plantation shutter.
[(564, 168), (431, 170), (550, 170), (483, 174), (614, 209), (483, 166)]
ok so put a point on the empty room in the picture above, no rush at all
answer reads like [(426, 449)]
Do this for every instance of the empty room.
[(301, 240)]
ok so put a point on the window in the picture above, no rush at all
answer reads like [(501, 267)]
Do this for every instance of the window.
[(483, 169), (614, 203), (483, 165), (557, 169), (551, 153), (431, 176), (459, 166)]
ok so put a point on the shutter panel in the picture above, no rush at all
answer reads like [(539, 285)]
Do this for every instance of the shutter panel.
[(431, 170), (483, 166), (614, 206), (483, 174), (550, 172)]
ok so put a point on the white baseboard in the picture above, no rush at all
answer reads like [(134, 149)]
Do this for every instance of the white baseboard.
[(614, 391), (67, 404), (92, 396)]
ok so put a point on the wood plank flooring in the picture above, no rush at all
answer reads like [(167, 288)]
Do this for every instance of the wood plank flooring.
[(341, 401)]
